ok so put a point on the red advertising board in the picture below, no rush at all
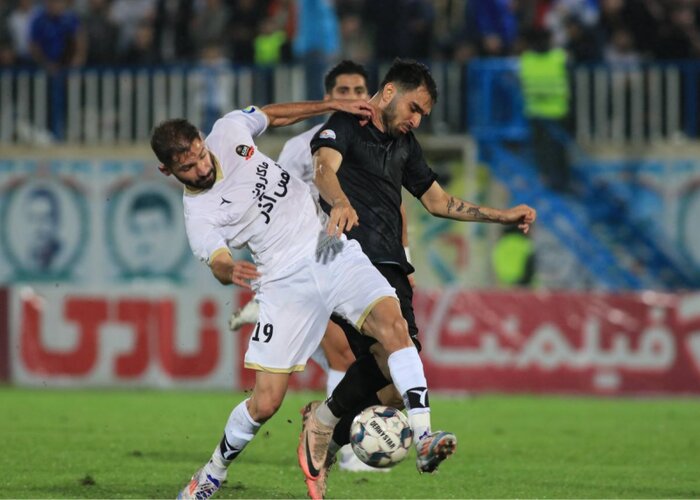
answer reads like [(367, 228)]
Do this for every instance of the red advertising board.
[(560, 342), (122, 337), (473, 341)]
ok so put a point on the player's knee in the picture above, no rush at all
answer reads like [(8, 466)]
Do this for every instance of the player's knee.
[(393, 335), (264, 406)]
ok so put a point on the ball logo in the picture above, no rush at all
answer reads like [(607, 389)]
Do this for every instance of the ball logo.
[(245, 151), (327, 134), (249, 110)]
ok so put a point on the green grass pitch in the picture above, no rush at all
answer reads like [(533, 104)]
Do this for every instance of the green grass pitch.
[(146, 444)]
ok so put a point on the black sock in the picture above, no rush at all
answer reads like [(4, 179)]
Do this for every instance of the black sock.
[(360, 383), (341, 433)]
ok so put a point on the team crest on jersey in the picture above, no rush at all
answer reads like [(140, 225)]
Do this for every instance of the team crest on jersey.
[(245, 151), (326, 134), (249, 109)]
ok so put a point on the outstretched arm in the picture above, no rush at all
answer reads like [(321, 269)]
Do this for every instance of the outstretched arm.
[(442, 204), (326, 164), (284, 114)]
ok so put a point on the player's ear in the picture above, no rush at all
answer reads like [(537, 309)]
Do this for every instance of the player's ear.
[(388, 92), (163, 169)]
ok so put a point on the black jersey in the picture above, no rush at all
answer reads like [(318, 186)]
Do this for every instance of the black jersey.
[(375, 166)]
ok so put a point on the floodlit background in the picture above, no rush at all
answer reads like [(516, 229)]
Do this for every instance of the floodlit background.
[(587, 110)]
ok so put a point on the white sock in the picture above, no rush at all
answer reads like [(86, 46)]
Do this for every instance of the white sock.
[(239, 431), (334, 377), (325, 415), (407, 374)]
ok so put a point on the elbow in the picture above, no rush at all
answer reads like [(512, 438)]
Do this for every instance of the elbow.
[(432, 209)]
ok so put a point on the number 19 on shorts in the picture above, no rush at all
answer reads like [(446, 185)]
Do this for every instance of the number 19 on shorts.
[(266, 332)]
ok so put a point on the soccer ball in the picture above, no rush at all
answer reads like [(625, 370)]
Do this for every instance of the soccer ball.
[(380, 436)]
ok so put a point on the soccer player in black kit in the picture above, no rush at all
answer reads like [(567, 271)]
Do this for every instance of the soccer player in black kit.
[(360, 170)]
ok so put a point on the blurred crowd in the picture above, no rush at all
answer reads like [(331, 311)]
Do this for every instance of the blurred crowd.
[(73, 33)]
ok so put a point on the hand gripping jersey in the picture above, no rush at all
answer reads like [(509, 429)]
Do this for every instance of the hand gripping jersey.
[(254, 202)]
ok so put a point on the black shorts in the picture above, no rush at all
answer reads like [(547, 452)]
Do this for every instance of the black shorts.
[(360, 343)]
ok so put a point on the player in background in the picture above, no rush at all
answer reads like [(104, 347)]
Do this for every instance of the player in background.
[(346, 80), (237, 196), (360, 172)]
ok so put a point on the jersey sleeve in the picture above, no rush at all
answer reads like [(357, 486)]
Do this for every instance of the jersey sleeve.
[(295, 158), (336, 133), (417, 176), (205, 241), (251, 119)]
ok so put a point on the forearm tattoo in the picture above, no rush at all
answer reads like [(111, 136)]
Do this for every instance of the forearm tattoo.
[(462, 208)]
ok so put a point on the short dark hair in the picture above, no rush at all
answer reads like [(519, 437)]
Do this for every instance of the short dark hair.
[(149, 201), (408, 75), (345, 67), (173, 137)]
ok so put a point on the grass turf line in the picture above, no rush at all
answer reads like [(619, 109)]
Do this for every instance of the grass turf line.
[(146, 444)]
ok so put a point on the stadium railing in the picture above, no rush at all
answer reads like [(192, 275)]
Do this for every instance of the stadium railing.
[(638, 104)]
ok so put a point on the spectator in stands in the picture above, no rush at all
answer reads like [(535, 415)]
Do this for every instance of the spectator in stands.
[(317, 41), (388, 20), (419, 29), (354, 44), (57, 43), (561, 11), (269, 43), (545, 84), (19, 23), (679, 37), (102, 34), (215, 94), (7, 53), (513, 258), (584, 43), (245, 19), (171, 30), (129, 16), (496, 25), (209, 24), (620, 51), (57, 39), (141, 50)]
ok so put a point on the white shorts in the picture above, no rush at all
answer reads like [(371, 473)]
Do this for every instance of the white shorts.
[(296, 307)]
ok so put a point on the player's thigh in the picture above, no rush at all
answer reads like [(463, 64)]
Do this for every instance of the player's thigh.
[(356, 286), (336, 348), (290, 325)]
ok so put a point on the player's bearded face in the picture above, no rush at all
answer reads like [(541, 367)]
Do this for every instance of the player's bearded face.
[(195, 168), (391, 120), (406, 110)]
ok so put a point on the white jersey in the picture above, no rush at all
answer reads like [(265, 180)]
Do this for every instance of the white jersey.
[(253, 203), (296, 158)]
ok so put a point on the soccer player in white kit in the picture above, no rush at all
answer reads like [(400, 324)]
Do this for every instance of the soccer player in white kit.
[(306, 269), (346, 80)]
